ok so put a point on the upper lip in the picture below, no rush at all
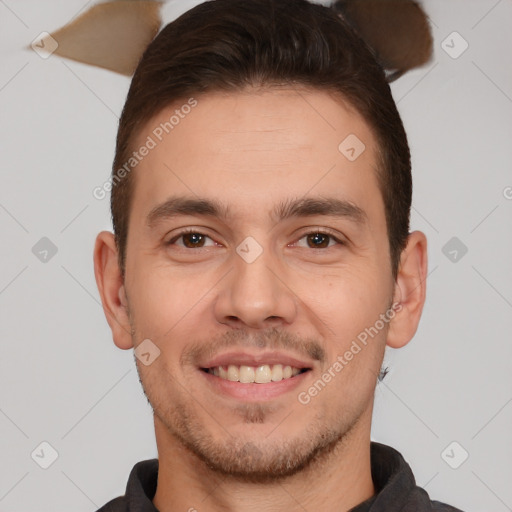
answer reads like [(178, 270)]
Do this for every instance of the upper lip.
[(239, 358)]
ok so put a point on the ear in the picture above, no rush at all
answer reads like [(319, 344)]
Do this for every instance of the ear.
[(111, 35), (410, 291), (112, 290)]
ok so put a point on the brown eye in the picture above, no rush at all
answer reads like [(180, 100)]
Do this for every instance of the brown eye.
[(190, 240), (193, 240), (320, 240)]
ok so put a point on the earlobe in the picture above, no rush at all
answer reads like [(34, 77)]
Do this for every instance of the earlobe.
[(410, 291), (112, 289)]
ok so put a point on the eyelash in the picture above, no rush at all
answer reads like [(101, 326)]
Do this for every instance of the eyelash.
[(325, 232)]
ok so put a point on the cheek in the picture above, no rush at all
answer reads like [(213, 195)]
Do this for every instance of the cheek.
[(349, 308), (164, 300), (157, 299), (347, 302), (355, 344)]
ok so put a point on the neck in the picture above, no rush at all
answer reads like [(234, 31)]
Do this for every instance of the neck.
[(337, 481)]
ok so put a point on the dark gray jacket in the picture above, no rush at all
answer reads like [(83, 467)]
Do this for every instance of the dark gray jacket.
[(392, 478)]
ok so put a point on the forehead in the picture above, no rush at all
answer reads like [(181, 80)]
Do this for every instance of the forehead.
[(253, 148)]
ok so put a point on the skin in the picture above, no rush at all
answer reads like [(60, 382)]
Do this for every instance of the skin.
[(251, 150)]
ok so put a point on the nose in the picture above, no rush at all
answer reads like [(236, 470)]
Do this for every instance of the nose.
[(255, 295)]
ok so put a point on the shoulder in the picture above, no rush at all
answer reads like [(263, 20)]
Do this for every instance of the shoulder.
[(116, 505), (437, 506), (396, 486), (140, 490)]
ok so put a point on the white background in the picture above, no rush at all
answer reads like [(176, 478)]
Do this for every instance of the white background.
[(63, 381)]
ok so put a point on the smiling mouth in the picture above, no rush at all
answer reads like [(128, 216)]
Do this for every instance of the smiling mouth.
[(262, 374)]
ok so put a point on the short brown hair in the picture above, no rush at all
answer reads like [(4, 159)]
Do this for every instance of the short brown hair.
[(228, 45)]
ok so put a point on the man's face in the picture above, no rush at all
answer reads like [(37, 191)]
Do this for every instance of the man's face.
[(256, 287)]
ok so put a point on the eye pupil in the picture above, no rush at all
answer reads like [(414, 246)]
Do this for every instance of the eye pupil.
[(315, 240), (194, 238), (319, 239)]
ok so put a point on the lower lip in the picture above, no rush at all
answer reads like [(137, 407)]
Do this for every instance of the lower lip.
[(253, 392)]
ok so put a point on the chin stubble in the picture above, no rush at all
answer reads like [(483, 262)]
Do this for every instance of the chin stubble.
[(254, 461)]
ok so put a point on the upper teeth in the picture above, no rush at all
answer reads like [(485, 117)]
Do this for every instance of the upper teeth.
[(259, 374)]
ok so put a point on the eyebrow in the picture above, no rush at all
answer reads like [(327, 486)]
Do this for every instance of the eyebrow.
[(289, 208)]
